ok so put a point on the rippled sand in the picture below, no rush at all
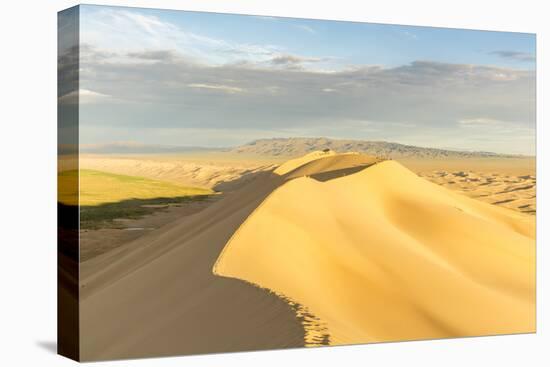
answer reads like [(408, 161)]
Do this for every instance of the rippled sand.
[(384, 255), (327, 249), (509, 191)]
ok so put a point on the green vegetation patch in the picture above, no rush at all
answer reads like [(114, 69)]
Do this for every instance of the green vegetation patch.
[(103, 216), (107, 196)]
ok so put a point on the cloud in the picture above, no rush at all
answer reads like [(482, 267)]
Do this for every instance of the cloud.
[(295, 62), (306, 28), (419, 72), (160, 78), (217, 87), (83, 96), (507, 136), (266, 17), (292, 59), (125, 36), (480, 121), (409, 35), (154, 55), (122, 29), (515, 55), (170, 94)]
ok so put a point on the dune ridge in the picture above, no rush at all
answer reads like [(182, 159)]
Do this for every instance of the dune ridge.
[(160, 288), (157, 295), (514, 191), (382, 255), (295, 163), (330, 249)]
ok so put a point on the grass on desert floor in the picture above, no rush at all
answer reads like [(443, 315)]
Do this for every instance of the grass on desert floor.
[(103, 216), (107, 196), (98, 188)]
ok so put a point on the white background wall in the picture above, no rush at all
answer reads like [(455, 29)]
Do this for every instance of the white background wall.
[(28, 182)]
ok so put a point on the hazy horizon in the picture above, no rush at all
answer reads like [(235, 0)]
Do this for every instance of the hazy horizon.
[(218, 80)]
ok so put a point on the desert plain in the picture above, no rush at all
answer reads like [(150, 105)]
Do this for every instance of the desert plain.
[(230, 251)]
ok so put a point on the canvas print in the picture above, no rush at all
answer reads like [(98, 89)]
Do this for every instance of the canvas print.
[(236, 182)]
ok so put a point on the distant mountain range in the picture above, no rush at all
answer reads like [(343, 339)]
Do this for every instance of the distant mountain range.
[(138, 148), (293, 147), (288, 147)]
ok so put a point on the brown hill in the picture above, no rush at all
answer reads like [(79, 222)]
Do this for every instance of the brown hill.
[(294, 147)]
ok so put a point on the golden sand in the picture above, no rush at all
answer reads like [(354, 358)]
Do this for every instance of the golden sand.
[(293, 164), (348, 248), (514, 191), (382, 255)]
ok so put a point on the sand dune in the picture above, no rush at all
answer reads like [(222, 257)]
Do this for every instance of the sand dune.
[(328, 249), (383, 255), (184, 170), (319, 164), (161, 290), (514, 191), (158, 296), (295, 163)]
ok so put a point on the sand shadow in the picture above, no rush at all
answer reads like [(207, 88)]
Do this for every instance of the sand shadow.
[(333, 174), (245, 178), (100, 216), (231, 316)]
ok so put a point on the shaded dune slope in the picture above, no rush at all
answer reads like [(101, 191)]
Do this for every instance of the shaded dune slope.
[(158, 295), (325, 165), (381, 255)]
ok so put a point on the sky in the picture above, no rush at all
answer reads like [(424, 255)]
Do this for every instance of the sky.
[(218, 80)]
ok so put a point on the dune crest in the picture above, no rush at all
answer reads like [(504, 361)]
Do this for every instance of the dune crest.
[(292, 164), (380, 254)]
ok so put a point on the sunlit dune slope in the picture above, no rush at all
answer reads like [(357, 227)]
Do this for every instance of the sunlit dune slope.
[(160, 288), (381, 254), (295, 163), (325, 165)]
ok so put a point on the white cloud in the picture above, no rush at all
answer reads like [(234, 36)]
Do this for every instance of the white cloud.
[(306, 28), (162, 74), (515, 55), (83, 96), (218, 87), (120, 34), (409, 35), (266, 17), (125, 31), (483, 121)]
